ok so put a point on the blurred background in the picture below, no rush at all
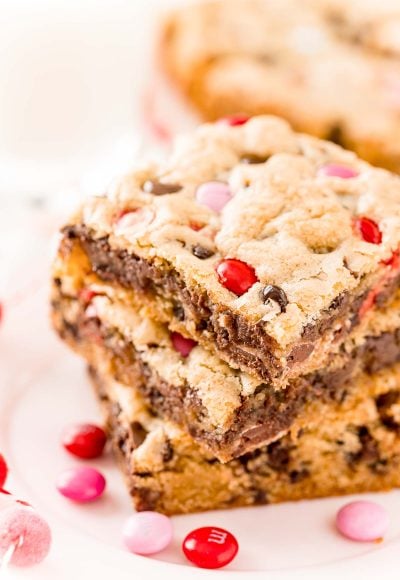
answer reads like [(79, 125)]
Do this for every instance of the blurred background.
[(73, 76)]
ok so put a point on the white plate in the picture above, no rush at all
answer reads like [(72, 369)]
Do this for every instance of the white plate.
[(44, 387)]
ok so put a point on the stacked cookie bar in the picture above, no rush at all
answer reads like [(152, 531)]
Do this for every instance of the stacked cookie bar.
[(238, 308), (330, 67)]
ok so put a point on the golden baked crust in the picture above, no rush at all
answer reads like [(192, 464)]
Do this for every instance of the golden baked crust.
[(351, 451)]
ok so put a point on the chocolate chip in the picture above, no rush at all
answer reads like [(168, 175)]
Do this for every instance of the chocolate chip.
[(253, 159), (336, 134), (384, 403), (260, 496), (168, 451), (278, 456), (276, 294), (369, 452), (298, 475), (159, 188), (179, 312), (201, 252), (138, 433)]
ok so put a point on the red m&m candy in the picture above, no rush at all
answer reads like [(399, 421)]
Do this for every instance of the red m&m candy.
[(3, 471), (182, 344), (368, 230), (236, 276), (235, 120), (84, 440), (210, 547)]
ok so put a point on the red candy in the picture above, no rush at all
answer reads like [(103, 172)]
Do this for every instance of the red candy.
[(235, 120), (210, 547), (236, 276), (3, 471), (84, 440), (182, 344), (368, 230), (86, 295)]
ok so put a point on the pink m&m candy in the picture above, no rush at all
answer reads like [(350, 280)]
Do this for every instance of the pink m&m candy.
[(335, 170), (210, 547), (214, 194), (147, 533), (81, 484), (182, 344), (362, 521)]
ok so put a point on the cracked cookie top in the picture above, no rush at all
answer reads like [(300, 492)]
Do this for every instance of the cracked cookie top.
[(270, 224)]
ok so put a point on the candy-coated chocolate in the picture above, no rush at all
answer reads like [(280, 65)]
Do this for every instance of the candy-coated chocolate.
[(24, 531), (210, 547), (84, 440), (368, 230), (147, 532), (3, 471), (182, 344), (335, 170), (236, 276), (214, 194), (235, 120), (81, 484), (362, 521)]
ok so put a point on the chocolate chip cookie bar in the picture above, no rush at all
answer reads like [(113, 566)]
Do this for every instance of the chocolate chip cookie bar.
[(330, 67), (349, 451), (266, 247), (225, 410)]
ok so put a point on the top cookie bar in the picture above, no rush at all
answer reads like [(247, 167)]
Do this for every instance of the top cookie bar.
[(330, 67), (264, 245)]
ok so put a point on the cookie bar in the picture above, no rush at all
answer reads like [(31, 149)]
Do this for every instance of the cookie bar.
[(224, 409), (265, 246), (330, 67), (352, 451)]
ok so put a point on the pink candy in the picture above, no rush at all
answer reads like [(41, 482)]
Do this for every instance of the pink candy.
[(134, 222), (81, 484), (362, 521), (182, 344), (147, 533), (334, 170), (214, 194), (25, 537)]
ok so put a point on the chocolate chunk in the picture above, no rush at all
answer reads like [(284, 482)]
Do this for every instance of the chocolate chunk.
[(179, 312), (278, 456), (276, 294), (138, 433), (159, 188), (253, 159), (336, 134), (298, 475), (201, 252), (384, 404), (260, 496), (369, 452), (168, 451)]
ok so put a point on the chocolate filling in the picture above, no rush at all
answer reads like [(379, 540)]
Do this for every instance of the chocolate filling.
[(261, 416), (258, 465), (246, 345)]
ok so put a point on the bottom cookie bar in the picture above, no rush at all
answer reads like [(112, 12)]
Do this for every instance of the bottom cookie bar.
[(351, 451)]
